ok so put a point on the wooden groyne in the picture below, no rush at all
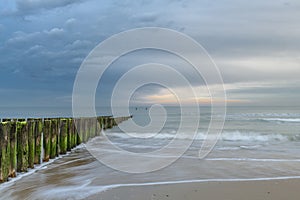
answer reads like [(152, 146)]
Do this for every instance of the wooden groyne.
[(27, 142)]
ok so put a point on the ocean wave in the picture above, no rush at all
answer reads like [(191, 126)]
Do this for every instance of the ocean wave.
[(260, 116), (279, 115), (225, 136), (282, 119), (252, 136)]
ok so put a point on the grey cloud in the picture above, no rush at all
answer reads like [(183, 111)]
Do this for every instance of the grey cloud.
[(71, 21), (29, 6), (79, 44), (275, 95), (52, 37), (20, 38), (34, 49), (55, 32), (146, 17)]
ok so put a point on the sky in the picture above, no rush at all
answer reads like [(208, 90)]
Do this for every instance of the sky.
[(255, 44)]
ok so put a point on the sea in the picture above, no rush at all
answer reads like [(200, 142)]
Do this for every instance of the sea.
[(256, 143)]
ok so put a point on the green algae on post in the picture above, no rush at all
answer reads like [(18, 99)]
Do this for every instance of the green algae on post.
[(22, 146), (63, 136), (31, 143), (46, 140), (53, 139), (4, 151), (38, 141), (13, 149), (69, 137)]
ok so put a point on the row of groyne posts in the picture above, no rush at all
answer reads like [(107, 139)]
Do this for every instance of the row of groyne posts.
[(25, 143)]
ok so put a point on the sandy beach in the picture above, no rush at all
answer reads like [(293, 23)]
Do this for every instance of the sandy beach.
[(235, 190), (80, 176)]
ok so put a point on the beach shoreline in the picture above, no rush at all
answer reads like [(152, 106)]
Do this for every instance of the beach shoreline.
[(213, 190)]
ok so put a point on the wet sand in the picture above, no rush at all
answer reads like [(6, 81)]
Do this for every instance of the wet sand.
[(238, 190), (80, 176)]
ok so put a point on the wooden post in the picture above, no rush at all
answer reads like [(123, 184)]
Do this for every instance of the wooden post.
[(87, 129), (104, 123), (99, 126), (13, 149), (74, 133), (93, 126), (77, 130), (63, 136), (46, 141), (31, 143), (58, 136), (80, 126), (22, 143), (38, 140), (84, 130), (53, 141), (4, 151), (69, 137)]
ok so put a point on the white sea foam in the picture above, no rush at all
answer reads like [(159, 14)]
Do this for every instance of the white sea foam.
[(252, 136), (225, 136), (279, 115), (282, 119)]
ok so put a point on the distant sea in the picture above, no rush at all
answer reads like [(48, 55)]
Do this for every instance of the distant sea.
[(42, 112)]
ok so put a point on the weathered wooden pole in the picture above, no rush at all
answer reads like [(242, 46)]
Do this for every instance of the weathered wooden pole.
[(85, 130), (4, 151), (69, 137), (104, 123), (74, 121), (63, 136), (88, 128), (93, 127), (31, 143), (99, 126), (77, 130), (74, 133), (108, 122), (22, 144), (71, 143), (58, 136), (47, 140), (38, 140), (53, 141), (80, 126), (13, 149)]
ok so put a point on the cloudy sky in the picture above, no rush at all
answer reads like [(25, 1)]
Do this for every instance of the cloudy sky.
[(255, 44)]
